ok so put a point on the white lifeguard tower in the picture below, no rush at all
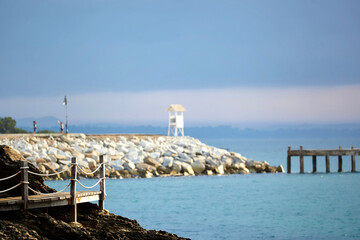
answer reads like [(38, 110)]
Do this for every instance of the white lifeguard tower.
[(176, 120)]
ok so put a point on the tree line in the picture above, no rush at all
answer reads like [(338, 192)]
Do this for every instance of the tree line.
[(8, 125)]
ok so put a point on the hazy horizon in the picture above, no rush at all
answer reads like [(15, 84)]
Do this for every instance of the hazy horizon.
[(51, 122)]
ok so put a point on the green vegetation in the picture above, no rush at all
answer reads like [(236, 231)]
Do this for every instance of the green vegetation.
[(46, 131), (8, 125)]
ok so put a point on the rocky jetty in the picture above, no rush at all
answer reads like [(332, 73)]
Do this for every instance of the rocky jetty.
[(54, 222), (133, 156)]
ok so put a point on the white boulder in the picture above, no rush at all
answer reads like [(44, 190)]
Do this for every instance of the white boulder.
[(198, 166), (132, 156), (129, 166), (155, 155), (168, 162)]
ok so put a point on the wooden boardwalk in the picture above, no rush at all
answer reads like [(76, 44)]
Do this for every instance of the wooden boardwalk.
[(339, 153), (41, 200)]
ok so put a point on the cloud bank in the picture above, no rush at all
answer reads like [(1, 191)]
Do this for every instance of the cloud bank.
[(208, 106)]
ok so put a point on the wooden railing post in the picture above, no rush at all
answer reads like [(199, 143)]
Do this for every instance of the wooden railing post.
[(102, 183), (301, 160), (289, 160), (353, 167), (73, 190), (327, 163), (24, 183), (340, 161), (314, 163)]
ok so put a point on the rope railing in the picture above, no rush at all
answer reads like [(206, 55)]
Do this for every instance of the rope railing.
[(47, 194), (65, 170), (48, 174), (6, 190), (89, 173), (6, 178), (90, 186)]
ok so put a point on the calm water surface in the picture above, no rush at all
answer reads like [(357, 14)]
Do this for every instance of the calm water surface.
[(256, 206)]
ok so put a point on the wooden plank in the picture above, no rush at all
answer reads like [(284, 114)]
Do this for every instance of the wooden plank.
[(40, 201), (48, 204), (87, 193), (330, 152), (44, 198), (11, 200), (88, 199), (11, 207)]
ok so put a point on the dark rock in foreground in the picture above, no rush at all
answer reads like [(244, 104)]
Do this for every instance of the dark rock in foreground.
[(54, 223), (9, 165)]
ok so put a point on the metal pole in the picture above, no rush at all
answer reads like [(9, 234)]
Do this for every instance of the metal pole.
[(66, 125)]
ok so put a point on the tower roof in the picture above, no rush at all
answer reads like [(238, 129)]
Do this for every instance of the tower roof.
[(176, 108)]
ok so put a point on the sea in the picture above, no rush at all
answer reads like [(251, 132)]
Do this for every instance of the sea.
[(253, 206)]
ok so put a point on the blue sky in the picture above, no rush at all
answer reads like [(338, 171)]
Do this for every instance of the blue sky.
[(109, 50)]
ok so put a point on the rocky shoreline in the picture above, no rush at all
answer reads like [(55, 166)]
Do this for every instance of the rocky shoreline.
[(132, 156), (53, 223)]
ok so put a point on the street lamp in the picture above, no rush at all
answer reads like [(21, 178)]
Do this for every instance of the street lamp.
[(66, 109)]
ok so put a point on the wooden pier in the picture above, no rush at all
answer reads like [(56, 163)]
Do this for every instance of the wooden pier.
[(41, 201), (339, 153), (60, 198)]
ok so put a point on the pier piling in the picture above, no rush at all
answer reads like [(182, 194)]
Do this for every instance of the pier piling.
[(340, 161), (314, 163), (289, 160), (301, 160), (353, 161), (327, 163)]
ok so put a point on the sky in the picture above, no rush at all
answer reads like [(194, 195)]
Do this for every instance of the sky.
[(227, 62)]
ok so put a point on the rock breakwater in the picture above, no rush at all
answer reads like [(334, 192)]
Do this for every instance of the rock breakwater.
[(133, 156)]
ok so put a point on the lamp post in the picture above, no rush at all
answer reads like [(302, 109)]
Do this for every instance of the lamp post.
[(66, 109)]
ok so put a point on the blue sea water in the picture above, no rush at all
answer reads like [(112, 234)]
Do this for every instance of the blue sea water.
[(255, 206)]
